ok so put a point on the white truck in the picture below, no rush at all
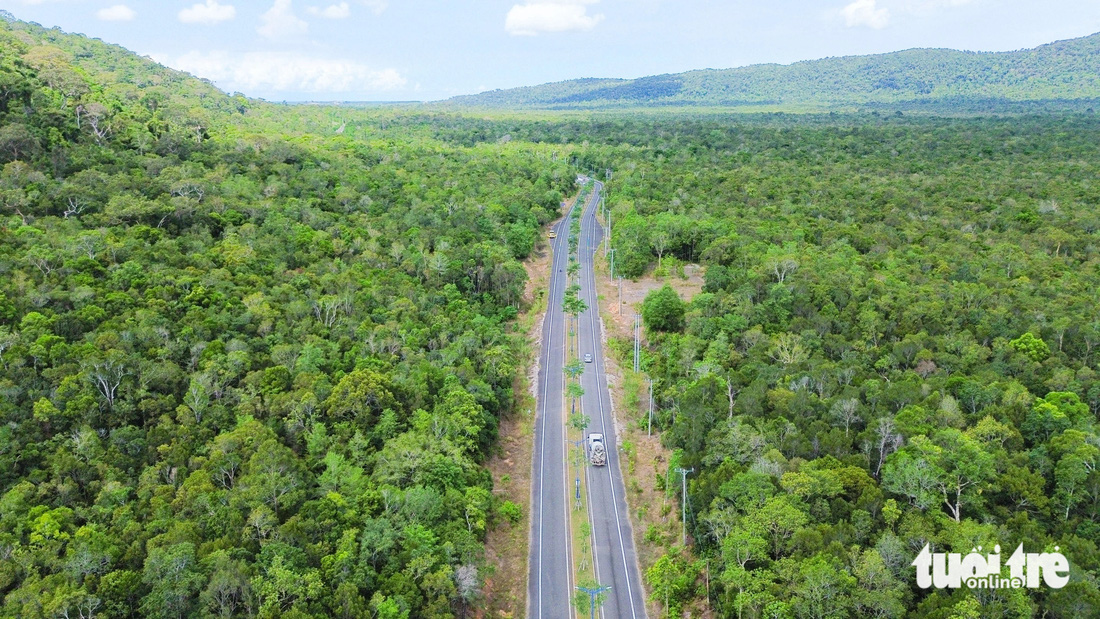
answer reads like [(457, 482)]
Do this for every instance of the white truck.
[(597, 453)]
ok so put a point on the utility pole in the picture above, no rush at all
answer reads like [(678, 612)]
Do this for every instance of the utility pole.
[(683, 500), (592, 594), (637, 342), (607, 228), (620, 308), (650, 429), (606, 239), (612, 264)]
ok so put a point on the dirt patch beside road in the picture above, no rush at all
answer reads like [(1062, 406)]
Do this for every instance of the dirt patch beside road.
[(634, 292)]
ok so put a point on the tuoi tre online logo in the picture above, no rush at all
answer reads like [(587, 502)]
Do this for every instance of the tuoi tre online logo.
[(953, 570)]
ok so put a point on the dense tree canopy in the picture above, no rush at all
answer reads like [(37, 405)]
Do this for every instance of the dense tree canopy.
[(246, 370), (896, 344)]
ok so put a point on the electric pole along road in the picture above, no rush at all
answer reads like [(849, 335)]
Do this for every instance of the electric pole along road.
[(550, 580)]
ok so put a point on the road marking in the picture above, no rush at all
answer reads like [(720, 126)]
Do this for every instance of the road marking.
[(542, 419), (598, 343), (542, 452)]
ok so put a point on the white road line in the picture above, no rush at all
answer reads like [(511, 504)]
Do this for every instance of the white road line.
[(611, 477), (569, 584), (587, 477), (550, 310), (542, 414)]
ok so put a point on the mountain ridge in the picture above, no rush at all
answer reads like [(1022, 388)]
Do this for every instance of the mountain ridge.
[(1058, 71)]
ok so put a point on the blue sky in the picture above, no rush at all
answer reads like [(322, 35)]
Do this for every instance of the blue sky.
[(374, 50)]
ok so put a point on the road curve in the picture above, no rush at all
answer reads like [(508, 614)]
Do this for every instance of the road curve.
[(613, 540)]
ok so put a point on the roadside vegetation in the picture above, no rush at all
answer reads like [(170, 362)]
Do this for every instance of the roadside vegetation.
[(895, 346), (246, 370)]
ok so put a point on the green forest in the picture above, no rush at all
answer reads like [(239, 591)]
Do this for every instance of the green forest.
[(1058, 75), (245, 370), (895, 346), (253, 357)]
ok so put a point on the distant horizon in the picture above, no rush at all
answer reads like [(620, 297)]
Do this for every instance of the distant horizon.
[(627, 79), (425, 51), (339, 103)]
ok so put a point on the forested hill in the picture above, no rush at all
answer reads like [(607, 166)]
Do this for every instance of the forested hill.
[(244, 372), (74, 66), (1064, 71)]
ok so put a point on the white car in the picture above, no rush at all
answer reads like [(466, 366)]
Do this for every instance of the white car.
[(588, 357)]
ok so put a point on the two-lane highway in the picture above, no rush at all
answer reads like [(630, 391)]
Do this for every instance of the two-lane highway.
[(550, 587), (613, 540)]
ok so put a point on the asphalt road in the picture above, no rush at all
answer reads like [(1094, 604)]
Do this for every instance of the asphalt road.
[(550, 580), (550, 586), (613, 540)]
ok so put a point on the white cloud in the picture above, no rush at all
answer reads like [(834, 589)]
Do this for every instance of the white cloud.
[(275, 72), (550, 16), (930, 7), (932, 4), (280, 21), (865, 13), (210, 13), (332, 11), (118, 12), (376, 6)]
